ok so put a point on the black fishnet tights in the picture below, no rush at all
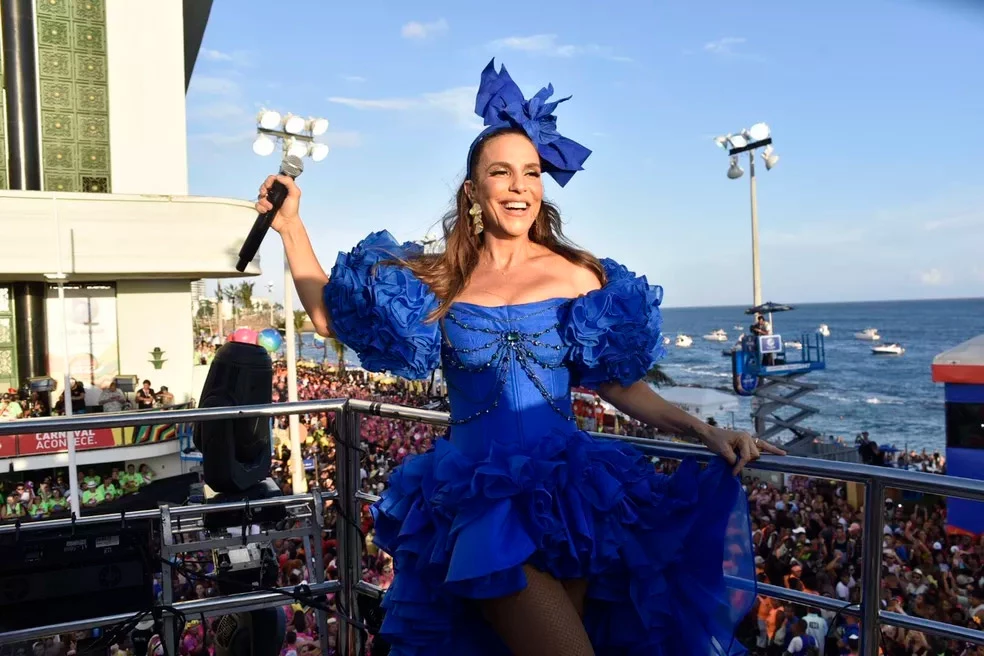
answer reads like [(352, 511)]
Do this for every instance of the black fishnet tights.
[(541, 620)]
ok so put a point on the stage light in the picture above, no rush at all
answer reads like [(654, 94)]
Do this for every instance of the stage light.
[(318, 126), (293, 124), (758, 132), (735, 171), (319, 151), (269, 119), (770, 158), (297, 148), (263, 145)]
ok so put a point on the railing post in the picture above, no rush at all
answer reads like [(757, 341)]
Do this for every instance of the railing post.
[(317, 556), (170, 636), (871, 566), (347, 507)]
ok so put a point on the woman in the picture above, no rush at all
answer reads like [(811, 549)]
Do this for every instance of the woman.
[(520, 534)]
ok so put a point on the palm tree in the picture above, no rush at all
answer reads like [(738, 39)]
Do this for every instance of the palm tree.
[(339, 350), (244, 294), (300, 317), (658, 377)]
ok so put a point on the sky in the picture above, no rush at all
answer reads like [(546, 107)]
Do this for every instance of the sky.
[(875, 107)]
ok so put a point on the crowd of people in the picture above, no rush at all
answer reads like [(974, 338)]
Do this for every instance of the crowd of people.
[(26, 404), (806, 535), (47, 497)]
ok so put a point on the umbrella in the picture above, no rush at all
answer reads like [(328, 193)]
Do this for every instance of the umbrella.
[(768, 308)]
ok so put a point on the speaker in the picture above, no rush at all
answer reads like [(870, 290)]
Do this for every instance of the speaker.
[(236, 452), (42, 384), (126, 383)]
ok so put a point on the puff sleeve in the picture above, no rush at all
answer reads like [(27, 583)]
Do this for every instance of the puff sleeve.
[(613, 333), (380, 311)]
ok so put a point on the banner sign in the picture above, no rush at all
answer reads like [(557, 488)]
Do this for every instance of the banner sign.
[(42, 443)]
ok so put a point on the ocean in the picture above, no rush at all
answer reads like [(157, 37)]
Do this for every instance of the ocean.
[(893, 398)]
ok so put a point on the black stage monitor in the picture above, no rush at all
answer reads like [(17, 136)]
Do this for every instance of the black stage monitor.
[(68, 574)]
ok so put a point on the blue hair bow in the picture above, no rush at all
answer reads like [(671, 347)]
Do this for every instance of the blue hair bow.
[(501, 105)]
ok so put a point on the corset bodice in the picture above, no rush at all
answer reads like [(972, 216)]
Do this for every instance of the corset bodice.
[(506, 371)]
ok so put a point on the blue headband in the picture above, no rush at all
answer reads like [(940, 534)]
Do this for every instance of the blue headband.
[(501, 105)]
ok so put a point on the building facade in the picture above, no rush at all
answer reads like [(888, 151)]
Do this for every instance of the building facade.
[(94, 195)]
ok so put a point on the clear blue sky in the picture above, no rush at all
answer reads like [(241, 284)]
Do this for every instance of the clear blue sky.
[(876, 108)]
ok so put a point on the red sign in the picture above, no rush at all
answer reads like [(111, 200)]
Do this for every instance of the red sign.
[(35, 443), (8, 446)]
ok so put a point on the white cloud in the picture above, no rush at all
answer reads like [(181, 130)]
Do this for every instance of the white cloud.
[(933, 277), (353, 78), (969, 219), (380, 103), (548, 45), (457, 102), (238, 57), (343, 139), (214, 85), (730, 47), (222, 110), (422, 31), (225, 139)]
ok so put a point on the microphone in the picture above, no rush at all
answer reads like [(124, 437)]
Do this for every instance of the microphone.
[(291, 166)]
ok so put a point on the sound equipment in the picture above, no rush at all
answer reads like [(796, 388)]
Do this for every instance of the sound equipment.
[(74, 573)]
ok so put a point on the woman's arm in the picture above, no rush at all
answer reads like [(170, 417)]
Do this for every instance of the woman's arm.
[(640, 402), (309, 276)]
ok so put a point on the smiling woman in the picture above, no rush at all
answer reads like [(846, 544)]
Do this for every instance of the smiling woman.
[(520, 534)]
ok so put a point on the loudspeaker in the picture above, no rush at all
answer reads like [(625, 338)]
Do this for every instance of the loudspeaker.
[(126, 383), (236, 452), (41, 384)]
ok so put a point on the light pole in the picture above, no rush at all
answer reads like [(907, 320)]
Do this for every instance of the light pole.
[(297, 137), (74, 492), (270, 300), (748, 141)]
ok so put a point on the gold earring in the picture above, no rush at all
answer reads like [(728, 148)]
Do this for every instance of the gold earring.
[(476, 214)]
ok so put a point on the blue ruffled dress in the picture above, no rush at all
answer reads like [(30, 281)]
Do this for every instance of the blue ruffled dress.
[(516, 482)]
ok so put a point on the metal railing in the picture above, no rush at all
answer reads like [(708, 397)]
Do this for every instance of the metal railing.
[(349, 499)]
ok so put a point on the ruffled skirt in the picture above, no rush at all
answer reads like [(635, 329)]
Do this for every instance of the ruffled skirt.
[(658, 552)]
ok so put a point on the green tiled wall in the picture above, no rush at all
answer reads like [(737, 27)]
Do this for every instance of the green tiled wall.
[(74, 95)]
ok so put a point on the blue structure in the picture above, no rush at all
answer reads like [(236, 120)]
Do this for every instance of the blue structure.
[(961, 370), (767, 356)]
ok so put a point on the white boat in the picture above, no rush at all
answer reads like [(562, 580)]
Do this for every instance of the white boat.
[(888, 349), (666, 341), (868, 335), (717, 336), (824, 330), (793, 344), (683, 341)]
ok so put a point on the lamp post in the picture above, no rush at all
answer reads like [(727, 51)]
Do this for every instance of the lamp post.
[(270, 299), (748, 141), (297, 137), (74, 492)]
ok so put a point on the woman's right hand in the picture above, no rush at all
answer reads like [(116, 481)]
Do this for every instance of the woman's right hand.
[(288, 214)]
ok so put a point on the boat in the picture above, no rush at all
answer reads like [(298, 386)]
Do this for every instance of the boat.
[(684, 341), (824, 330), (666, 341), (868, 335), (793, 344), (717, 336), (888, 349)]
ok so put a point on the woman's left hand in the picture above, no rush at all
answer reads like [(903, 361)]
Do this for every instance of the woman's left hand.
[(737, 447)]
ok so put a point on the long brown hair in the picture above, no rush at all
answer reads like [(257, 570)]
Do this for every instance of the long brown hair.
[(447, 273)]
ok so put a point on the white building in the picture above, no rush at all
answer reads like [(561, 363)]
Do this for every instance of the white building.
[(94, 186)]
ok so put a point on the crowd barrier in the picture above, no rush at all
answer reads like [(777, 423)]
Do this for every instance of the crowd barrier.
[(349, 586)]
